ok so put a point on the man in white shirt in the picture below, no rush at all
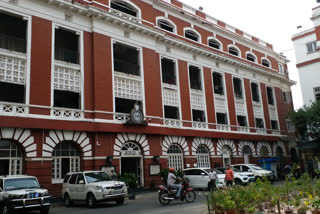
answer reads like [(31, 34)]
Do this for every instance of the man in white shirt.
[(170, 182), (213, 177)]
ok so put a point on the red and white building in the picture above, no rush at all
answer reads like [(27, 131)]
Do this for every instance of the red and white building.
[(72, 70)]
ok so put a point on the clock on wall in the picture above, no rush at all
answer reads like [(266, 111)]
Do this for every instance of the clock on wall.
[(136, 116)]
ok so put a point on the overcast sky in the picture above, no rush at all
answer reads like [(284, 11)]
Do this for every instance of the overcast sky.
[(273, 21)]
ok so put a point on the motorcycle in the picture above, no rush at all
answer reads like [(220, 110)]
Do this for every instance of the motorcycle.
[(167, 194)]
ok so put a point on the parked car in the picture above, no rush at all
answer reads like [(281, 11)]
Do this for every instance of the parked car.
[(255, 169), (92, 187), (21, 193), (240, 178), (199, 177)]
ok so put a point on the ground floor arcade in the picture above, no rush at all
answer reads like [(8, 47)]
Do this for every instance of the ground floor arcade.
[(50, 154)]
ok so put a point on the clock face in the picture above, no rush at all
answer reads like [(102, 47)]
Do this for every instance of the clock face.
[(137, 116)]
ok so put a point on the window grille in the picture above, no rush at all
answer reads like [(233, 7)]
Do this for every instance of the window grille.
[(265, 63), (10, 152), (170, 97), (214, 44), (317, 93), (191, 35), (203, 159), (66, 79), (12, 70), (311, 47), (264, 151), (65, 158), (246, 150), (175, 157), (251, 57), (165, 25), (127, 87), (233, 51)]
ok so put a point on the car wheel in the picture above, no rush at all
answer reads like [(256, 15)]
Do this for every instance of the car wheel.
[(4, 209), (120, 201), (237, 182), (91, 200), (44, 210), (67, 200)]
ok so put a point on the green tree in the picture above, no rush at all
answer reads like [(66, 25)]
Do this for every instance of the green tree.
[(307, 121)]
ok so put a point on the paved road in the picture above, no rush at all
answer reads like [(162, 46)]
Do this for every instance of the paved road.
[(144, 203)]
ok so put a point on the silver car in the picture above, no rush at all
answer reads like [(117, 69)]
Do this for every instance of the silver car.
[(92, 187)]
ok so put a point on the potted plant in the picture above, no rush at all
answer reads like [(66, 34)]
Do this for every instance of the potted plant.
[(302, 209), (251, 210), (229, 206), (315, 204), (132, 181)]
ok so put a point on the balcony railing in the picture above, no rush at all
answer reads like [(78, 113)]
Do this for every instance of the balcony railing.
[(243, 129), (199, 125), (172, 123), (13, 109), (223, 127), (12, 43)]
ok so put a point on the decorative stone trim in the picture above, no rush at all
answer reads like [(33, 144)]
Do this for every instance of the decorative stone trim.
[(260, 144), (169, 140), (292, 145), (246, 143), (23, 136), (281, 145), (123, 138), (226, 142), (57, 136), (197, 141)]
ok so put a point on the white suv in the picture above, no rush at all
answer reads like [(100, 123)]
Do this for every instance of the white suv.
[(240, 178), (23, 193), (92, 186), (199, 177), (255, 169)]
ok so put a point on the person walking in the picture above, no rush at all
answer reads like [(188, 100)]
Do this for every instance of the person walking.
[(229, 176), (213, 176)]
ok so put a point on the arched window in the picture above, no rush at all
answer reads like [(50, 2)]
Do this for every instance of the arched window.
[(279, 154), (203, 159), (265, 63), (226, 155), (214, 44), (124, 7), (65, 158), (165, 25), (190, 34), (294, 155), (175, 157), (234, 51), (251, 57), (246, 152), (10, 158), (264, 151)]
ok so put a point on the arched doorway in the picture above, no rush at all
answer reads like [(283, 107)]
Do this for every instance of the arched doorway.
[(175, 157), (226, 155), (131, 161), (65, 158), (11, 158), (246, 152), (294, 155), (203, 159), (279, 154), (264, 151)]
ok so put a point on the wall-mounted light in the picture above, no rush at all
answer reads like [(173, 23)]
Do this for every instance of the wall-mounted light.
[(109, 159), (156, 158)]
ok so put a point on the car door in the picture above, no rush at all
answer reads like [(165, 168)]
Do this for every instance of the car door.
[(80, 187), (203, 178), (189, 174), (72, 187)]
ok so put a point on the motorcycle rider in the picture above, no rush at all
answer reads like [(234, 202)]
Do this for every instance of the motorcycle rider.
[(171, 182)]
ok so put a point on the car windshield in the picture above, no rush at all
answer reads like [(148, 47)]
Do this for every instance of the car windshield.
[(21, 183), (255, 167), (93, 177), (222, 170)]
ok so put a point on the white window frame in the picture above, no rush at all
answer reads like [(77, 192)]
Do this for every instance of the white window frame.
[(138, 10), (175, 160), (281, 68), (161, 18), (235, 47), (316, 91), (311, 46), (203, 158), (14, 162), (194, 31), (74, 162), (255, 57), (81, 63), (210, 38), (266, 59)]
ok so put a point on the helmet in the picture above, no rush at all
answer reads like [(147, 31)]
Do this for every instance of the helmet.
[(171, 169)]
